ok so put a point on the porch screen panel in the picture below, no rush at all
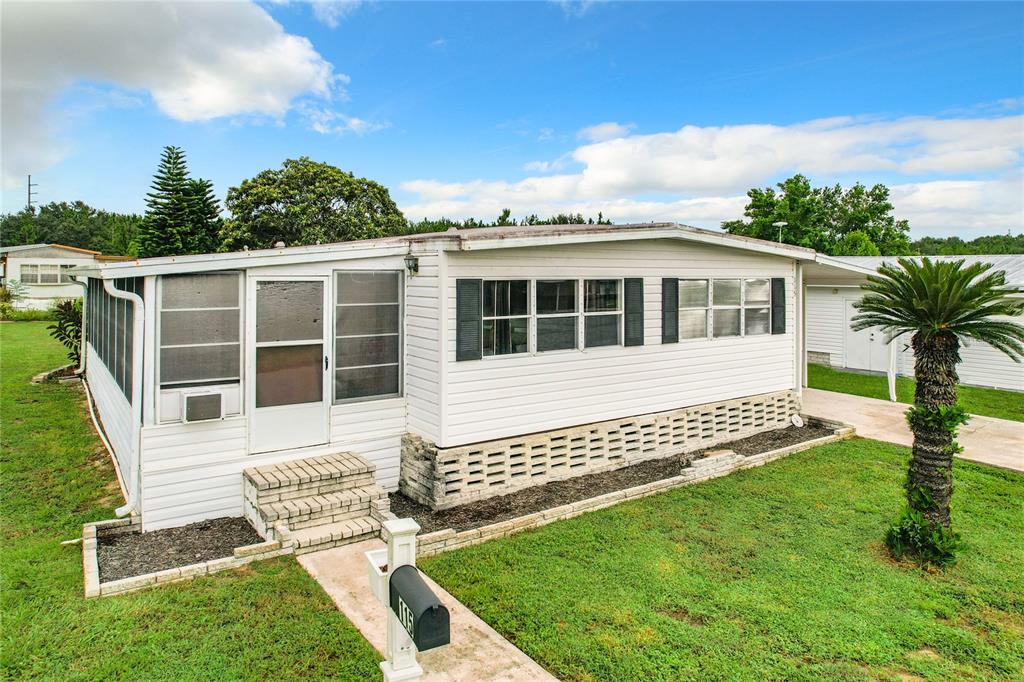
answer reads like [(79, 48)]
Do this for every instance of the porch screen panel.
[(200, 329), (110, 329), (367, 335)]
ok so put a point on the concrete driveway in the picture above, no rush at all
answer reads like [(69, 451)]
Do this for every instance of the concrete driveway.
[(999, 442)]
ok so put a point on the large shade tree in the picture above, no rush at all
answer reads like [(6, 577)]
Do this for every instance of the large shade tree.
[(940, 304), (308, 202)]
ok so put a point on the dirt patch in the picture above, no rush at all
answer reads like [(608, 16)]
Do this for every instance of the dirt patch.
[(556, 493), (681, 614), (124, 556)]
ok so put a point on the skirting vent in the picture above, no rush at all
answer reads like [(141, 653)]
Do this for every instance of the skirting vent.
[(447, 477)]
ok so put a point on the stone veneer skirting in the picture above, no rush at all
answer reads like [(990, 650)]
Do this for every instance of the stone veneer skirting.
[(819, 358), (447, 477)]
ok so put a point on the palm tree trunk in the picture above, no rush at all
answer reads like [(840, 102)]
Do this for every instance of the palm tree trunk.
[(931, 463)]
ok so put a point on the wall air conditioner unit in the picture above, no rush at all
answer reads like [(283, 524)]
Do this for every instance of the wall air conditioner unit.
[(201, 407)]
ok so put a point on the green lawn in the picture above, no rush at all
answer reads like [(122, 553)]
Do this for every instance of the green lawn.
[(989, 402), (269, 620), (775, 573)]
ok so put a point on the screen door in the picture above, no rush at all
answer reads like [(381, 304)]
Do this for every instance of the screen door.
[(289, 399)]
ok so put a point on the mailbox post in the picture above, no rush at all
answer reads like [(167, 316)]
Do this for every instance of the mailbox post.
[(416, 618)]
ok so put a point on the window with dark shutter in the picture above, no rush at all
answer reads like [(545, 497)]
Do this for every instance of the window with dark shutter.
[(468, 319), (669, 310), (778, 305), (633, 298)]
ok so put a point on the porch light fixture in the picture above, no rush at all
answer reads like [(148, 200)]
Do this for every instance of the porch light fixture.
[(412, 264)]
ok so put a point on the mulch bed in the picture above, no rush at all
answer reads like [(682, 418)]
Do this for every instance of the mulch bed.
[(125, 556), (556, 493)]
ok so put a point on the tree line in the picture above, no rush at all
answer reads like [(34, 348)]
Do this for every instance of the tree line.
[(309, 202)]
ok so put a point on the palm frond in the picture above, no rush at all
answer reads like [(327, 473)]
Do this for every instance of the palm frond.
[(929, 297)]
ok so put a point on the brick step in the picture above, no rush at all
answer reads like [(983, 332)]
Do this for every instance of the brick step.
[(333, 534), (306, 478), (305, 509)]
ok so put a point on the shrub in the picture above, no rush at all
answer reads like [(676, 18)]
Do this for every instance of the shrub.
[(11, 314), (929, 543), (67, 327)]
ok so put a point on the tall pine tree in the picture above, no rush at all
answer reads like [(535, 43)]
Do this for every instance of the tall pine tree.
[(182, 215)]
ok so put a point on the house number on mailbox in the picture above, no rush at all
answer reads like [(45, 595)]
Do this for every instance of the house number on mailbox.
[(405, 616)]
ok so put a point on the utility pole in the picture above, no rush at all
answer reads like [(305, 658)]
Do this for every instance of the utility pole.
[(30, 192)]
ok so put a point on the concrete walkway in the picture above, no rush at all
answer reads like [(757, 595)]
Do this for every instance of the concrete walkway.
[(476, 652), (999, 442)]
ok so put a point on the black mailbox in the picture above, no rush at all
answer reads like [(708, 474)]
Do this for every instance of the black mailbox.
[(422, 614)]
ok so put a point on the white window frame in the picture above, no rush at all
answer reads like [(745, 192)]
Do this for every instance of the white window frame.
[(211, 384), (578, 315), (755, 306), (530, 316), (742, 307), (334, 336), (620, 292), (709, 286)]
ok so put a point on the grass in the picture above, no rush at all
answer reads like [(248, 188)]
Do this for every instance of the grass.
[(989, 402), (776, 573), (269, 620)]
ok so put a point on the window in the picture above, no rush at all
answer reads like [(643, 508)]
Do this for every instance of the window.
[(200, 329), (602, 312), (30, 274), (110, 329), (693, 308), (506, 317), (367, 335), (757, 299), (557, 315), (726, 311)]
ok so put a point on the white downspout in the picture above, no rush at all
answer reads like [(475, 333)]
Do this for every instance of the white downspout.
[(138, 329), (81, 343), (890, 373)]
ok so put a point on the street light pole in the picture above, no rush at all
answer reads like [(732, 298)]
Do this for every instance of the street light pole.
[(781, 224)]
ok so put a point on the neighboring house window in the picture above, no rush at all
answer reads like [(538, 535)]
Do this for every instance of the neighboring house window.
[(602, 312), (757, 299), (726, 307), (557, 314), (45, 273), (693, 308), (65, 274), (30, 274), (506, 317), (200, 329), (367, 329)]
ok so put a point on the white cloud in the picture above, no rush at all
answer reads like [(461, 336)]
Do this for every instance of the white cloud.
[(605, 131), (439, 43), (198, 61), (699, 175), (332, 12), (545, 134), (328, 121), (574, 8)]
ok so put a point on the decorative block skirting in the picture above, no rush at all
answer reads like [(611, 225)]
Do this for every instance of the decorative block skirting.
[(91, 533), (699, 470), (818, 358), (446, 477)]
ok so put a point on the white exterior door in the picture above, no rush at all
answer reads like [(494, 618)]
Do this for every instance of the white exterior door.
[(867, 348), (289, 395)]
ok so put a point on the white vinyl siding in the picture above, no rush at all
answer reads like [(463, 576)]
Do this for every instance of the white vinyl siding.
[(536, 392), (423, 348), (115, 412)]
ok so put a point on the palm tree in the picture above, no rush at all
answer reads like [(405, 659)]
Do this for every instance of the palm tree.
[(941, 303)]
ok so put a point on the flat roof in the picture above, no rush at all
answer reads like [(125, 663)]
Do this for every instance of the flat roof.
[(470, 239)]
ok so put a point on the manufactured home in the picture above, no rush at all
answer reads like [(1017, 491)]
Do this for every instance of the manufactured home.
[(454, 366), (832, 342), (44, 270)]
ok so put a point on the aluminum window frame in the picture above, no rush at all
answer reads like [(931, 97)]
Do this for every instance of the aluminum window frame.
[(708, 287), (620, 311), (755, 306), (400, 334), (241, 343), (578, 315), (529, 317)]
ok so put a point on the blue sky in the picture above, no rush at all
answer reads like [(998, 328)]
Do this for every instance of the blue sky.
[(647, 111)]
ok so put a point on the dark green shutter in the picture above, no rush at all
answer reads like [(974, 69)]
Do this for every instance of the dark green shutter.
[(669, 310), (468, 325), (633, 298), (778, 305)]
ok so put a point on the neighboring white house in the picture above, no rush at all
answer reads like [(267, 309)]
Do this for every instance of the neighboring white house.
[(44, 271), (831, 341), (458, 365)]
